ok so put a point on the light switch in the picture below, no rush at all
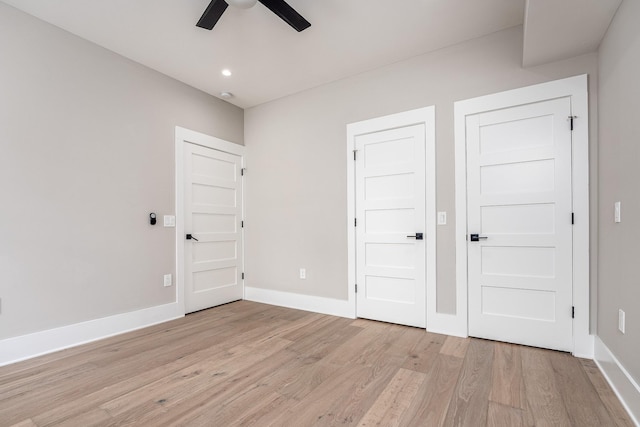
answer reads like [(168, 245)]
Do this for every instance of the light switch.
[(616, 216), (169, 221), (167, 280), (442, 218)]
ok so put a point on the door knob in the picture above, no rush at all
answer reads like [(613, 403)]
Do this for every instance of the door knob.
[(477, 237), (190, 237), (417, 236)]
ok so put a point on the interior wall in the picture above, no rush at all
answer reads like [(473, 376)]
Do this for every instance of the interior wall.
[(86, 153), (619, 151), (296, 181)]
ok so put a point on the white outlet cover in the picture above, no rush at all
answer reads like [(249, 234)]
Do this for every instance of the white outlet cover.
[(442, 218), (303, 273), (621, 321), (616, 215), (167, 280)]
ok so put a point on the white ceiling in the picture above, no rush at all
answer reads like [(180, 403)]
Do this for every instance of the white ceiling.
[(269, 59)]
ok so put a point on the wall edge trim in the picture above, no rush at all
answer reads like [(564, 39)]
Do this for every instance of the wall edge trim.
[(622, 383), (330, 306), (36, 344)]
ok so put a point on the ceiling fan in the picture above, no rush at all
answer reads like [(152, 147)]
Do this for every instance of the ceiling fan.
[(280, 7)]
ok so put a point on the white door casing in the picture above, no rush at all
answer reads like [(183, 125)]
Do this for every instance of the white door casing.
[(209, 206), (392, 195), (519, 202), (574, 89)]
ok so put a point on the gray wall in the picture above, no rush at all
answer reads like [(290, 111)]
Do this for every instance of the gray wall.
[(296, 183), (86, 152), (619, 153)]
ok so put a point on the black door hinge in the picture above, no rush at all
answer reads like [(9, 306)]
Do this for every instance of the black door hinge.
[(573, 218), (356, 288), (354, 154), (241, 224), (355, 222), (571, 119), (242, 276), (242, 172), (573, 312)]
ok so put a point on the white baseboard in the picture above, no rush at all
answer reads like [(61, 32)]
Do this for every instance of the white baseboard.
[(625, 387), (36, 344), (446, 324), (583, 346), (333, 307)]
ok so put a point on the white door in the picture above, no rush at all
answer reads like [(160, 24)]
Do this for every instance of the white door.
[(213, 216), (390, 213), (519, 204)]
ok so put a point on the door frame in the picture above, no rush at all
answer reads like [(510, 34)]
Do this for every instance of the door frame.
[(425, 116), (575, 88), (185, 136)]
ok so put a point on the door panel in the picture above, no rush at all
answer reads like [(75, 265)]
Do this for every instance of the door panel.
[(390, 205), (213, 215), (519, 198)]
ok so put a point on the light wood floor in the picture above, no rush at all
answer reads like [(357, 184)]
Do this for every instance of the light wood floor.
[(253, 364)]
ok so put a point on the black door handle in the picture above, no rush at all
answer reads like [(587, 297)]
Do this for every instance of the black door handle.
[(418, 236), (189, 237), (477, 237)]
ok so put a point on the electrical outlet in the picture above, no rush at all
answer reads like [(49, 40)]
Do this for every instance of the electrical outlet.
[(167, 280), (616, 212), (621, 320), (442, 218), (303, 273)]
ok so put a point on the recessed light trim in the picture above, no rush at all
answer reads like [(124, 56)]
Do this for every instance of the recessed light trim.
[(226, 95), (226, 72)]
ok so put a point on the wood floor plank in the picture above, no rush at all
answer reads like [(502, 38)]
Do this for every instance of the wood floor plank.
[(25, 423), (500, 415), (128, 350), (606, 394), (422, 355), (308, 374), (583, 405), (356, 404), (252, 364), (471, 396), (455, 346), (94, 417), (194, 380), (181, 358), (30, 367), (346, 395), (507, 386), (133, 382), (102, 380), (544, 401), (394, 400), (430, 406)]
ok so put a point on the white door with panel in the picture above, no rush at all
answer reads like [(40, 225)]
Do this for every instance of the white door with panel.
[(390, 229), (213, 218), (519, 217)]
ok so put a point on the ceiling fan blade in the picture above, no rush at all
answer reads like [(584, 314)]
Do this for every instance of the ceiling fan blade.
[(287, 14), (211, 15)]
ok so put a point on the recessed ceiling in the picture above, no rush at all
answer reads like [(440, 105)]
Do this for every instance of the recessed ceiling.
[(267, 57)]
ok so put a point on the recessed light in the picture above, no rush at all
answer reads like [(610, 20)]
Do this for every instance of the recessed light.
[(226, 95), (226, 72)]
